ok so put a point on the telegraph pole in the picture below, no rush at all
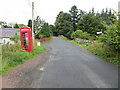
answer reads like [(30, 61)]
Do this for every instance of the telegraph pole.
[(33, 21)]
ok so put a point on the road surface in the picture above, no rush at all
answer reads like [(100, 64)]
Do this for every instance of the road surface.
[(71, 66), (63, 65)]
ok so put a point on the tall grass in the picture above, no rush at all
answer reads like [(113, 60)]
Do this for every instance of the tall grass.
[(105, 52), (13, 55)]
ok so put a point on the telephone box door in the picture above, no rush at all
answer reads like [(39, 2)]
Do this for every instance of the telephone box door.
[(26, 38)]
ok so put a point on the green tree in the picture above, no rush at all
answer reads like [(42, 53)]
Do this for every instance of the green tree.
[(57, 23), (74, 16), (81, 13), (38, 23), (3, 24), (91, 24), (29, 23), (16, 25), (93, 11), (63, 24), (52, 28), (111, 37), (44, 32), (108, 16), (21, 25)]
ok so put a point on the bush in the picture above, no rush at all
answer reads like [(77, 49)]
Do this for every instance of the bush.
[(15, 38), (111, 37), (80, 34), (39, 35), (104, 51), (44, 32)]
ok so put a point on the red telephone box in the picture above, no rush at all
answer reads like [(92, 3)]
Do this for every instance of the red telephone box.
[(26, 38)]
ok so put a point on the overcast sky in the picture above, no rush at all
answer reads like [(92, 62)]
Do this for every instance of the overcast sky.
[(20, 11)]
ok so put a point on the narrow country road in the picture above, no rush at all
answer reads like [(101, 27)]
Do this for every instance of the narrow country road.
[(63, 65), (71, 66)]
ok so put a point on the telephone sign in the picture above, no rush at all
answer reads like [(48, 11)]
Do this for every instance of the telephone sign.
[(26, 38)]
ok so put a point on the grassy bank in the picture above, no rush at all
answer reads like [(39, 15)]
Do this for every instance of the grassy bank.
[(47, 39), (64, 38), (103, 51), (13, 55), (100, 50)]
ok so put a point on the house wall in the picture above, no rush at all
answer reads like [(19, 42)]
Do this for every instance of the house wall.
[(6, 41), (0, 40)]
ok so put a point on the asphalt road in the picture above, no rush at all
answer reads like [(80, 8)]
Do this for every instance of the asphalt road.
[(71, 66)]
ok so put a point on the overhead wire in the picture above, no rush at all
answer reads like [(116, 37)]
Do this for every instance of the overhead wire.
[(35, 11), (29, 3)]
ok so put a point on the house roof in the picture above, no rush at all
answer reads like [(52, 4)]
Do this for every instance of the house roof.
[(8, 32)]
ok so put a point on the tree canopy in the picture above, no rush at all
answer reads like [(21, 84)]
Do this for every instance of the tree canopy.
[(16, 25), (38, 23), (91, 24), (63, 24), (30, 23), (44, 32), (74, 16), (107, 16)]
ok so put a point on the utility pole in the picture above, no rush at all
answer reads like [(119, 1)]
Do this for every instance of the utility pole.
[(33, 21)]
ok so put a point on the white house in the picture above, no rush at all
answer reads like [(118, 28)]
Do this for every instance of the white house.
[(6, 33)]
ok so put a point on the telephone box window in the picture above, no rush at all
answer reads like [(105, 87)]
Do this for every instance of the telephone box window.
[(26, 38)]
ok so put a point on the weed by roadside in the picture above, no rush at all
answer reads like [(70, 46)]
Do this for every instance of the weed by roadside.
[(13, 55), (105, 52), (64, 38), (44, 40)]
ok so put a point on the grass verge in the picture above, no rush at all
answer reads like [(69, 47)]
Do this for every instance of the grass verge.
[(47, 39), (101, 50), (64, 38), (104, 52), (13, 55)]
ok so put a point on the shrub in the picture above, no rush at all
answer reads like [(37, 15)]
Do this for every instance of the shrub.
[(15, 38), (111, 37), (44, 32), (80, 34), (104, 51)]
